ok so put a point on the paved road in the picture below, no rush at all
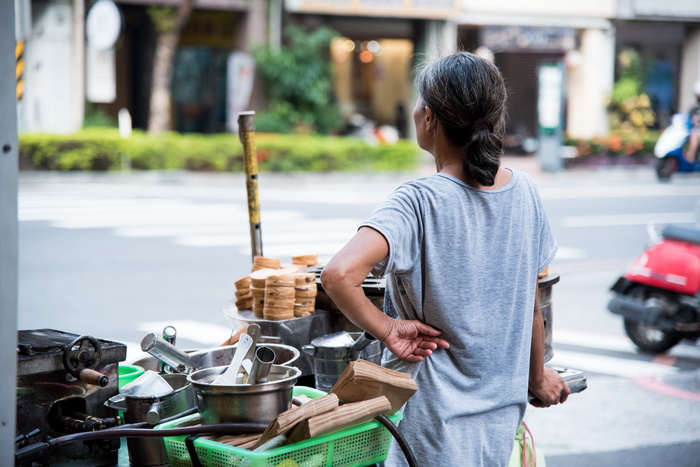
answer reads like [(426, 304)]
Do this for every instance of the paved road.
[(119, 256)]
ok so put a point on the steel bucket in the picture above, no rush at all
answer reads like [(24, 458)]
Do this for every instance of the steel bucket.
[(232, 403)]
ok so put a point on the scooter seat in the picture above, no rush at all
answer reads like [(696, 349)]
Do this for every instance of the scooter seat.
[(682, 233)]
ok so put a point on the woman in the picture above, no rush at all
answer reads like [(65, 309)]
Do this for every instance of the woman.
[(461, 250)]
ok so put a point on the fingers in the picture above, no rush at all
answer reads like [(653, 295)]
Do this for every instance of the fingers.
[(428, 330), (430, 334)]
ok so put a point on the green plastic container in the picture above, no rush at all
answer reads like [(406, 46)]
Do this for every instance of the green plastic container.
[(128, 373), (361, 445)]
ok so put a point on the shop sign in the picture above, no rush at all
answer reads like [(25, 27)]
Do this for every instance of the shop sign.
[(103, 25), (100, 75), (396, 8), (510, 38)]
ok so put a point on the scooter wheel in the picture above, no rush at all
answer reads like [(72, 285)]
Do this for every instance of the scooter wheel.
[(650, 338), (665, 167)]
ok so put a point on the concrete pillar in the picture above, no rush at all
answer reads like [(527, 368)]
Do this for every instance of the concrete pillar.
[(76, 112), (690, 69), (590, 81), (253, 32), (8, 234), (440, 38), (53, 86)]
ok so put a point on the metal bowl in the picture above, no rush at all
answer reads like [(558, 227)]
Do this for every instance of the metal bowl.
[(217, 356), (284, 355), (233, 403)]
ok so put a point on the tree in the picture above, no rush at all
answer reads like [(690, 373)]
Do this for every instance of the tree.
[(169, 22), (298, 79)]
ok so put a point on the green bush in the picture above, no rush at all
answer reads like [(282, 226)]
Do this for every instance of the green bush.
[(616, 144), (103, 149)]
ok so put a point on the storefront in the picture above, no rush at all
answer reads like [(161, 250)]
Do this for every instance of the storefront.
[(201, 79), (378, 47)]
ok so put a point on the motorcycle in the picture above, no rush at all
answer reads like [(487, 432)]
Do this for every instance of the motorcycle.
[(669, 149), (658, 295)]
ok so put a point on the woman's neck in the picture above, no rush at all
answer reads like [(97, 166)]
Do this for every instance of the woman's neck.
[(455, 169)]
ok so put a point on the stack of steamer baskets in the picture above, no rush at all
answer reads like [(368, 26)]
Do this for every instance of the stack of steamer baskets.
[(276, 292)]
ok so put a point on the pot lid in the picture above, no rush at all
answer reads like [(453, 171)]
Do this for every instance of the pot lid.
[(333, 341)]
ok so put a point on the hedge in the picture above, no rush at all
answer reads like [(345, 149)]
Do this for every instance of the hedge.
[(103, 150)]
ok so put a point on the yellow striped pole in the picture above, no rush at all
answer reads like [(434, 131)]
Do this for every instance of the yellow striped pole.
[(246, 132), (19, 71)]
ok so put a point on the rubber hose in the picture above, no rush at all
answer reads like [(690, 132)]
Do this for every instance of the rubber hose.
[(394, 430), (118, 432), (165, 420)]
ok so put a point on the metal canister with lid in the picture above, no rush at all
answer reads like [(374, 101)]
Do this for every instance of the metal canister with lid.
[(333, 352)]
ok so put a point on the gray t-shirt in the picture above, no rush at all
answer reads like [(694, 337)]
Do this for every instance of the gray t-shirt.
[(465, 261)]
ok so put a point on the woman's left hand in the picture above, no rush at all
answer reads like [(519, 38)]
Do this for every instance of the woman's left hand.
[(413, 340)]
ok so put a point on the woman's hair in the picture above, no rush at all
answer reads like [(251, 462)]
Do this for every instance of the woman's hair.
[(467, 95)]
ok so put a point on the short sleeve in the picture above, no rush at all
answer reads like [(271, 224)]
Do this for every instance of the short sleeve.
[(548, 244), (399, 220)]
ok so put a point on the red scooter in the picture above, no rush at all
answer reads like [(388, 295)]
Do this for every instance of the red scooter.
[(658, 296)]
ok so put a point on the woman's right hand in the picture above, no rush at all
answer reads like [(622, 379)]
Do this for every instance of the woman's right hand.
[(412, 340)]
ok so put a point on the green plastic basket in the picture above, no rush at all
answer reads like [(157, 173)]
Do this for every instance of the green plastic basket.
[(361, 445)]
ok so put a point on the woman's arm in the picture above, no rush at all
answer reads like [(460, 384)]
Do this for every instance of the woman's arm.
[(342, 280), (545, 383)]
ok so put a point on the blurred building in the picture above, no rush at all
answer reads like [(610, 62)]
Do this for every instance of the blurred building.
[(381, 42)]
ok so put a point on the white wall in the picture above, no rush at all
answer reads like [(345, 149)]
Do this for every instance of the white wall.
[(53, 97), (590, 82)]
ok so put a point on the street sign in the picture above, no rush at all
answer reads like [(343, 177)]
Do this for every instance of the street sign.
[(103, 25)]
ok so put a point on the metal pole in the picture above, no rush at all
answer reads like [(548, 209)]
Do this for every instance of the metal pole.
[(246, 132), (8, 234)]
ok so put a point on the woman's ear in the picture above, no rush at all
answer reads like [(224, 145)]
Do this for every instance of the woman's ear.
[(429, 119)]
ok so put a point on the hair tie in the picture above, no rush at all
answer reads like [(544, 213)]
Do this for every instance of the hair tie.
[(481, 124)]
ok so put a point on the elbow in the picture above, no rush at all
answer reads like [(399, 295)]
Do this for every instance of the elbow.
[(332, 278)]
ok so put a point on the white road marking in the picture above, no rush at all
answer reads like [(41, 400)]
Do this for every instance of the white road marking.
[(644, 190), (570, 253), (613, 366), (207, 334), (629, 219)]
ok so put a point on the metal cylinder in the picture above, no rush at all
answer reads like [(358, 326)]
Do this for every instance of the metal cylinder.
[(544, 290), (165, 352), (262, 364), (246, 132)]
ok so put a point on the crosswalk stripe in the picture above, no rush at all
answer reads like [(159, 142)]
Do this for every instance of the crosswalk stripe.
[(629, 219), (208, 334), (593, 340), (270, 240), (613, 366)]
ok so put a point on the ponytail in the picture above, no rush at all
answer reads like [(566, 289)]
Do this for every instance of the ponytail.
[(482, 153)]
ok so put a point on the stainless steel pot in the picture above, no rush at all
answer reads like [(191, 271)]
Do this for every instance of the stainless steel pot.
[(137, 409), (259, 403)]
